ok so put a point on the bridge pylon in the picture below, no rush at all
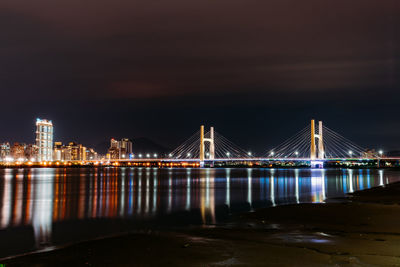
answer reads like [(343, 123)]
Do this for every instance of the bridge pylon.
[(321, 151), (203, 140)]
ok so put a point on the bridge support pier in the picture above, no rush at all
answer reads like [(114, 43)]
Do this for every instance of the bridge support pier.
[(210, 140), (313, 155), (212, 146), (202, 144), (313, 149), (321, 150)]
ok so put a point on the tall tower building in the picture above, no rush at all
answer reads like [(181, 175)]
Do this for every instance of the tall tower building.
[(114, 150), (44, 139), (125, 148), (120, 149)]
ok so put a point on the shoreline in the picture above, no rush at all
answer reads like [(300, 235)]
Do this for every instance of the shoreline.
[(360, 229)]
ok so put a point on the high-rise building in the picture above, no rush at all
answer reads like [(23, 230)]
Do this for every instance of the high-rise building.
[(18, 151), (75, 150), (44, 139), (82, 152), (32, 152), (5, 150), (58, 153), (114, 143), (114, 150), (120, 149), (125, 148), (91, 154), (67, 153)]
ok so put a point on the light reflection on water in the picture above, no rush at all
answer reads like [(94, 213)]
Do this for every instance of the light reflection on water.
[(45, 200)]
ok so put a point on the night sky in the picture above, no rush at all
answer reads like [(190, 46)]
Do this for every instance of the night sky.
[(256, 70)]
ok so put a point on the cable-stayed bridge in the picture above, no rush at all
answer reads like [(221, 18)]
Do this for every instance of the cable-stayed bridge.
[(314, 145), (208, 146)]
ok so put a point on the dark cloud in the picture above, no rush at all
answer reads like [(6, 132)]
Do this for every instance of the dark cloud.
[(246, 66)]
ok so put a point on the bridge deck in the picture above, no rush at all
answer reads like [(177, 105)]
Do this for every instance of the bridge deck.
[(239, 159)]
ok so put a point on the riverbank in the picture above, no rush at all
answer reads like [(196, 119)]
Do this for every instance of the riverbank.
[(362, 229)]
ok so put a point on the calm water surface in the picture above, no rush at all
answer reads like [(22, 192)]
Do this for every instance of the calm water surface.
[(44, 208)]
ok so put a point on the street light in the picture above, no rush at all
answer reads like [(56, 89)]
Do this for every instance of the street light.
[(380, 153), (249, 153), (188, 154), (272, 153), (227, 153), (148, 155), (140, 155), (296, 153), (350, 152)]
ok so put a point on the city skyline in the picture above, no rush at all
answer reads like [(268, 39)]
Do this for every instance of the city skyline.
[(106, 151), (314, 145)]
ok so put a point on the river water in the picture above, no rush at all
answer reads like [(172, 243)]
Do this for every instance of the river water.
[(41, 209)]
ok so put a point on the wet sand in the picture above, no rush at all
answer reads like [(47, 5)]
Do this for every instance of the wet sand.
[(361, 230)]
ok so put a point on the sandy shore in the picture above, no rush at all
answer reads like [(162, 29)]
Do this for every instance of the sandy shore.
[(363, 230)]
